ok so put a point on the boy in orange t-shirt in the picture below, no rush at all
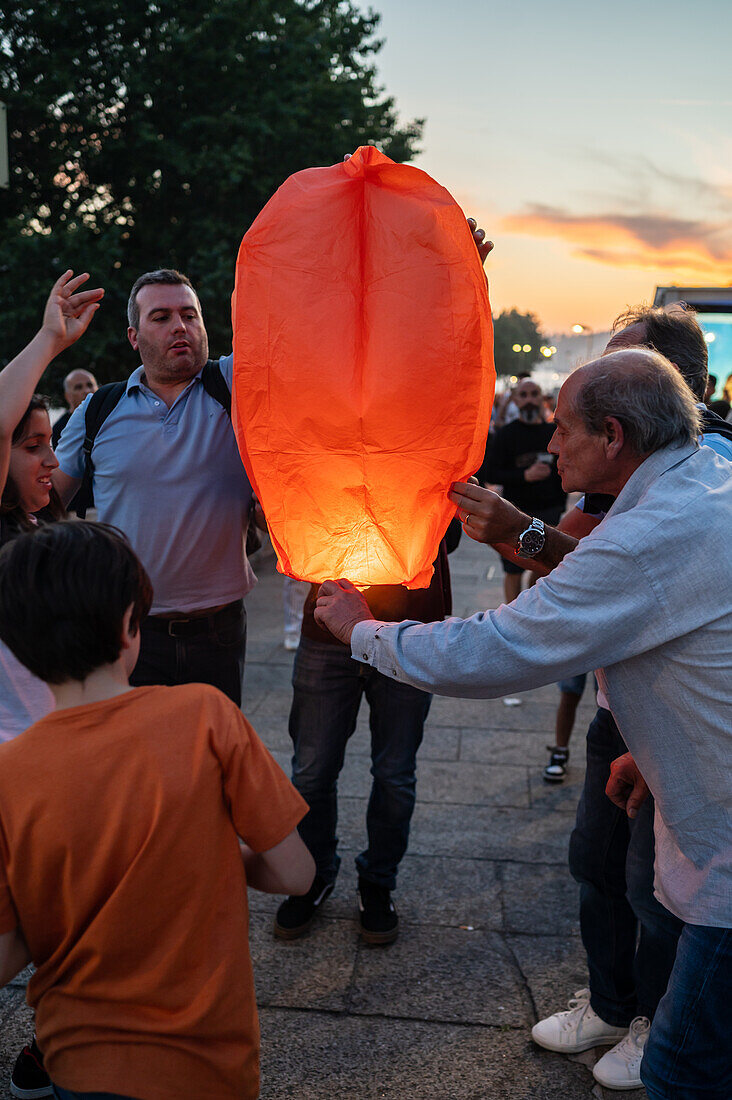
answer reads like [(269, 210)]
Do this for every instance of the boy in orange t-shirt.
[(132, 821)]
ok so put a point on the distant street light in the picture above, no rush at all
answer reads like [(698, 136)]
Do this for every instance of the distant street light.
[(589, 333), (526, 347)]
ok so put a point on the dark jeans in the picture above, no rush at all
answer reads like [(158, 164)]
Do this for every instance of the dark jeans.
[(328, 686), (64, 1094), (688, 1054), (213, 656), (629, 937)]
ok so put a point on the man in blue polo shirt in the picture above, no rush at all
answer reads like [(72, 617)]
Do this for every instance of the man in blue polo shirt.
[(167, 472)]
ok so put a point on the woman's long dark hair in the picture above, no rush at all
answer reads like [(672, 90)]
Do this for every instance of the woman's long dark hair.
[(13, 515)]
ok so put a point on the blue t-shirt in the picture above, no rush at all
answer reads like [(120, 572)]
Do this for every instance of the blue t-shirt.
[(173, 481)]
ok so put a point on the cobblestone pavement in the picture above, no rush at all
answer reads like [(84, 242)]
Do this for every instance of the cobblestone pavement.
[(488, 938)]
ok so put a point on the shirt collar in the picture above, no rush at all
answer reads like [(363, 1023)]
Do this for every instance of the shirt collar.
[(134, 382), (649, 471)]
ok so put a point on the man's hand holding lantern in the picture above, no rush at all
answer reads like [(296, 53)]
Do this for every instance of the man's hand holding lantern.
[(486, 516), (340, 606)]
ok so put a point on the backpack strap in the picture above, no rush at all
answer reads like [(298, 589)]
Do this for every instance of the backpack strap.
[(100, 406), (215, 386)]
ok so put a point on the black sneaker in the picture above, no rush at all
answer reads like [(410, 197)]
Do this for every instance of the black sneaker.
[(377, 916), (29, 1079), (296, 913), (556, 769)]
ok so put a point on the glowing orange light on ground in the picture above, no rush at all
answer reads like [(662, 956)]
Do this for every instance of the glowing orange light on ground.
[(363, 368)]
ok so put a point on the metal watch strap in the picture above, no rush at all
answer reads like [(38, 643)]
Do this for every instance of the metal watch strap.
[(536, 526)]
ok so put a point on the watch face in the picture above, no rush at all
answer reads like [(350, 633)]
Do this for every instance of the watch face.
[(532, 542)]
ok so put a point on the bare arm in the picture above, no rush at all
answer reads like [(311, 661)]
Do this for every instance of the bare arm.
[(65, 485), (14, 955), (65, 319), (288, 868)]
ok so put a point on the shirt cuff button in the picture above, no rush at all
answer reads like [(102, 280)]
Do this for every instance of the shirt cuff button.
[(365, 656)]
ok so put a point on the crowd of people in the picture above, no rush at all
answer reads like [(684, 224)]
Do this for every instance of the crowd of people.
[(133, 821)]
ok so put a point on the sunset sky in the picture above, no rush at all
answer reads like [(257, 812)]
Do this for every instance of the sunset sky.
[(592, 141)]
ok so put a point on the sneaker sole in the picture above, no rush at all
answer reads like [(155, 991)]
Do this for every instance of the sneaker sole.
[(292, 933), (601, 1041), (554, 778), (30, 1094), (635, 1084), (378, 938)]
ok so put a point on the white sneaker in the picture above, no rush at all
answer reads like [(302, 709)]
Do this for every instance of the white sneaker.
[(620, 1067), (576, 1030)]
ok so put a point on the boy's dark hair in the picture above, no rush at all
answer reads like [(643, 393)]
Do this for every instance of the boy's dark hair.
[(64, 590), (677, 335), (168, 276)]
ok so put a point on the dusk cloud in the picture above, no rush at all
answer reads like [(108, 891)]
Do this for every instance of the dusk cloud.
[(648, 239)]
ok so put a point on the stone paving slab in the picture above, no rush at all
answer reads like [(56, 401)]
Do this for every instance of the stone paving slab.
[(443, 974), (540, 900), (470, 784), (313, 973), (317, 1056), (477, 832)]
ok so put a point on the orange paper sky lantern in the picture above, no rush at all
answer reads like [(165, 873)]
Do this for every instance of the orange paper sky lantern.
[(363, 368)]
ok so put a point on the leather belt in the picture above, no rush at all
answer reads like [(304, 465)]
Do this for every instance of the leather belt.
[(201, 624)]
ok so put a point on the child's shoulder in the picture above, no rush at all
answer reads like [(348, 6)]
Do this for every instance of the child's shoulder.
[(192, 697)]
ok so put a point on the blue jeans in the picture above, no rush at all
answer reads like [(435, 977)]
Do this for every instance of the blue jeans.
[(688, 1053), (629, 937), (328, 685), (64, 1094), (215, 656)]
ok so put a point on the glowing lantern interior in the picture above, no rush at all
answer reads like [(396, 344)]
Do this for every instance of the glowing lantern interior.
[(363, 368)]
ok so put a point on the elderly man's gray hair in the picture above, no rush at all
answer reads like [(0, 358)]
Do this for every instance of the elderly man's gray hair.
[(646, 394)]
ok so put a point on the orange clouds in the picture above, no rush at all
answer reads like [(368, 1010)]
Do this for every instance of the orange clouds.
[(684, 248)]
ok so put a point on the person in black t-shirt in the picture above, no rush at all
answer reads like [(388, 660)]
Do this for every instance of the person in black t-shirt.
[(328, 686), (519, 461)]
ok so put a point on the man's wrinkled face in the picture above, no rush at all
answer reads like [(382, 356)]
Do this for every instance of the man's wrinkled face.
[(78, 384), (581, 459), (529, 401), (171, 337)]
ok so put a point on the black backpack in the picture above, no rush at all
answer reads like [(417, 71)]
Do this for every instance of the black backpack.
[(107, 398)]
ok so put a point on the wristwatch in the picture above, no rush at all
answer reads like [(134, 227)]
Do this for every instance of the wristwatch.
[(531, 541)]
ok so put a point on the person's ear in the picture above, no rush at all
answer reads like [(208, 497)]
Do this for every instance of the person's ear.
[(132, 336), (614, 437), (128, 635)]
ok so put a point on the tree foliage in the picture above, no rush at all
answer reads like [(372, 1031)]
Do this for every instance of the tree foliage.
[(150, 135), (513, 328)]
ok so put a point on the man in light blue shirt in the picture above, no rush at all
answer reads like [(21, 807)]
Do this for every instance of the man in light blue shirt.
[(167, 472), (630, 938), (632, 600)]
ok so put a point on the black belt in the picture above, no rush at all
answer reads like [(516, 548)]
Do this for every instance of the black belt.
[(185, 628)]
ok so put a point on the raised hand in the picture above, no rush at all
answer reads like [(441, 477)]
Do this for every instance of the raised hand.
[(68, 311), (483, 246)]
